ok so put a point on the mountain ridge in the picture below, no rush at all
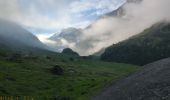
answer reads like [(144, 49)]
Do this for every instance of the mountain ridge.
[(150, 45), (15, 37)]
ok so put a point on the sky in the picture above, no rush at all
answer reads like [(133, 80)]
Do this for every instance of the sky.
[(136, 17), (47, 17), (51, 16)]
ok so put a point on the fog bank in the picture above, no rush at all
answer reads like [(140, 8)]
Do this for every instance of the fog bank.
[(113, 29)]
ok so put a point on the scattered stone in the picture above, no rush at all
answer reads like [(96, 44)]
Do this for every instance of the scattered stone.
[(48, 57), (3, 90), (83, 93), (71, 59), (58, 70), (61, 98), (8, 78), (72, 71), (15, 57)]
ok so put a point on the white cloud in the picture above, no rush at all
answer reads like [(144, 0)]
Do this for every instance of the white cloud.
[(59, 14), (9, 9), (100, 6), (109, 30), (44, 38), (53, 14)]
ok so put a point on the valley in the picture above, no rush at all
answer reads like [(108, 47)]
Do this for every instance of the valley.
[(84, 50), (80, 80)]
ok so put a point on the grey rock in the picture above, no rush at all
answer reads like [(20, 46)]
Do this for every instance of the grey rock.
[(150, 83)]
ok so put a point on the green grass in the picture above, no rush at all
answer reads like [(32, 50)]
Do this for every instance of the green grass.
[(82, 79)]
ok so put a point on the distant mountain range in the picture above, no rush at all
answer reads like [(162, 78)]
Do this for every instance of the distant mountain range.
[(66, 37), (151, 45), (72, 35)]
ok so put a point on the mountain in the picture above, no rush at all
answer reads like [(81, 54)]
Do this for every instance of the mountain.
[(120, 11), (68, 51), (134, 1), (69, 34), (152, 82), (99, 53), (15, 37), (74, 38), (66, 37), (60, 76), (117, 13), (151, 45)]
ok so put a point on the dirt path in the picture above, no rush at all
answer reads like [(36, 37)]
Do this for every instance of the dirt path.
[(151, 83)]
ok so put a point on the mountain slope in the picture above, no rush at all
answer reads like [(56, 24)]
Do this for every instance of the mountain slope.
[(36, 76), (66, 37), (151, 45), (74, 38), (120, 11), (99, 53), (68, 51), (70, 34), (151, 83), (15, 37)]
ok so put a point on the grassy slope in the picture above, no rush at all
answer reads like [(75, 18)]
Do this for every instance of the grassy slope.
[(149, 46), (81, 80)]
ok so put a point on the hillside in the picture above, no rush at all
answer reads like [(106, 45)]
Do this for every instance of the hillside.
[(73, 37), (17, 38), (152, 82), (151, 45), (99, 53), (68, 51), (65, 38), (28, 69), (121, 11), (55, 76)]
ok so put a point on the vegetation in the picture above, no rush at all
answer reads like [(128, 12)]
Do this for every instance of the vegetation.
[(69, 51), (35, 76), (151, 45)]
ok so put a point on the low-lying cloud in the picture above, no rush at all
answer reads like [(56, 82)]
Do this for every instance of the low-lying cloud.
[(109, 30), (101, 34), (48, 16)]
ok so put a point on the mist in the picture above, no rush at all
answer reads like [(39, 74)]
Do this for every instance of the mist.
[(112, 29), (13, 35), (108, 30)]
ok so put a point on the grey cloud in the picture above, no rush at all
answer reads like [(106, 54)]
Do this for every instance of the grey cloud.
[(102, 33), (109, 30)]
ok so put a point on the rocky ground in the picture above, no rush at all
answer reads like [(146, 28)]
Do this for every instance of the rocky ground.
[(150, 83)]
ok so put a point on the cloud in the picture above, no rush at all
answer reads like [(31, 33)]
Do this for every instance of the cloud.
[(109, 30), (9, 9), (38, 15), (99, 6), (54, 15), (44, 38)]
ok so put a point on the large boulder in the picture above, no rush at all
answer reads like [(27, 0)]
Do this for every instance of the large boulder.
[(57, 70)]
